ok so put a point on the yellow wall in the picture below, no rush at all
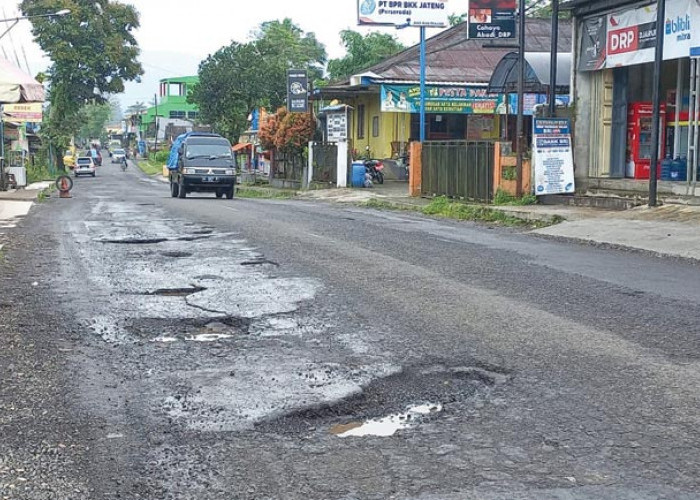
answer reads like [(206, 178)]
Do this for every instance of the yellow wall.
[(392, 127)]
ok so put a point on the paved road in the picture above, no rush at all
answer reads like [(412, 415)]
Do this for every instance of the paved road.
[(211, 349)]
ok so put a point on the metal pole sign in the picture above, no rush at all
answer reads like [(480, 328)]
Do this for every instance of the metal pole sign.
[(492, 18), (297, 91)]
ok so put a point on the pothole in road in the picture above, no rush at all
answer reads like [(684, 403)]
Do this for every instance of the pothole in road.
[(135, 241), (259, 262), (176, 292), (416, 395), (176, 255)]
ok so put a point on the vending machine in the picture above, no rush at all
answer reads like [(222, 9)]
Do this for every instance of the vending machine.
[(639, 139)]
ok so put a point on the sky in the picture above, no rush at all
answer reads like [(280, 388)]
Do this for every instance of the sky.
[(176, 35)]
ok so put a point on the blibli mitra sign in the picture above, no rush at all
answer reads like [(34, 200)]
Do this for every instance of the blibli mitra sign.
[(679, 27)]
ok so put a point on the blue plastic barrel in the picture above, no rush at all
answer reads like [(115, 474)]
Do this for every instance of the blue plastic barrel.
[(677, 170), (358, 174), (666, 168)]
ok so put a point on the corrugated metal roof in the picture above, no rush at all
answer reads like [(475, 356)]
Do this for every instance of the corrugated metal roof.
[(454, 58)]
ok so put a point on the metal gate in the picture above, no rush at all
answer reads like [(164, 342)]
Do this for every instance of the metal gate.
[(325, 163), (458, 169)]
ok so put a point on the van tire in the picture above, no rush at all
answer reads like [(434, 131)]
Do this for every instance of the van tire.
[(181, 191), (174, 189), (229, 193)]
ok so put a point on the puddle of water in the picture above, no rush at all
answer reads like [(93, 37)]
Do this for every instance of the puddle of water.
[(208, 337), (387, 426)]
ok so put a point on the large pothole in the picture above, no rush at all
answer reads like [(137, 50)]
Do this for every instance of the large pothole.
[(420, 393)]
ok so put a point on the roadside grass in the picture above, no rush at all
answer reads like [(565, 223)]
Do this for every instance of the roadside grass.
[(249, 191), (450, 209), (45, 194), (150, 166), (503, 198)]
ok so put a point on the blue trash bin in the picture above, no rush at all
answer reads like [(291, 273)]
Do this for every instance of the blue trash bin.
[(358, 174)]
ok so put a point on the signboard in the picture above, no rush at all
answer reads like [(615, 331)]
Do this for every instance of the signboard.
[(492, 18), (403, 13), (297, 91), (593, 44), (439, 99), (30, 112), (530, 102), (553, 157), (629, 36), (337, 126)]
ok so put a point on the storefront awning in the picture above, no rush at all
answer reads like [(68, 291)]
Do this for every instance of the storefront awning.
[(537, 64), (241, 146)]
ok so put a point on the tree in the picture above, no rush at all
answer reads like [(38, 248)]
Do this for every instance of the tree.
[(455, 19), (287, 132), (93, 53), (93, 118), (242, 76), (362, 52)]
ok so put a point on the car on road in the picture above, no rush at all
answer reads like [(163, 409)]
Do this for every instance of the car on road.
[(201, 162), (118, 155), (84, 166)]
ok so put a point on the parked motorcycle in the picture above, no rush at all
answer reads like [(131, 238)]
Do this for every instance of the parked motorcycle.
[(375, 168)]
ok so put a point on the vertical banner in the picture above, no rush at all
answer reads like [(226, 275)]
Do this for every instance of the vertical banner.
[(492, 18), (553, 158), (297, 91), (594, 45)]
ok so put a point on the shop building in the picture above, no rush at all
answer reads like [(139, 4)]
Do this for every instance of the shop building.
[(383, 100), (613, 77)]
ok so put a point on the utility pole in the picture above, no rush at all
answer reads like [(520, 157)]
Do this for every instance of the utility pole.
[(553, 61), (521, 98), (656, 101), (155, 144)]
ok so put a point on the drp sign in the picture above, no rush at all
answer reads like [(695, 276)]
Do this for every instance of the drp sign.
[(624, 40)]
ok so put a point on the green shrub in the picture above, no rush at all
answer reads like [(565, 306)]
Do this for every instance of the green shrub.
[(162, 156), (38, 173)]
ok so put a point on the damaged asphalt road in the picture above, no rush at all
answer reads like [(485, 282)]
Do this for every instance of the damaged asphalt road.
[(158, 348)]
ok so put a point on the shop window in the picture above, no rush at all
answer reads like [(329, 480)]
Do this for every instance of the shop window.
[(178, 114), (375, 126), (360, 121), (192, 115)]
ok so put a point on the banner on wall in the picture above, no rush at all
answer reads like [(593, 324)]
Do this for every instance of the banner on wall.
[(593, 44), (629, 36), (439, 99), (403, 13), (29, 112), (553, 157), (492, 18)]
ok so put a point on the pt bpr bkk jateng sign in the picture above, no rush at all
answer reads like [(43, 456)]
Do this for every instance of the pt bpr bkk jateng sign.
[(297, 91), (492, 18), (403, 13)]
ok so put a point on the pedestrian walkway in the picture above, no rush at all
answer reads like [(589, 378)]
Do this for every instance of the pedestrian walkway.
[(16, 203), (669, 230)]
